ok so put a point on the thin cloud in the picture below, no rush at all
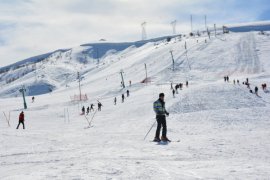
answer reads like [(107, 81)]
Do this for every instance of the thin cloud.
[(32, 27)]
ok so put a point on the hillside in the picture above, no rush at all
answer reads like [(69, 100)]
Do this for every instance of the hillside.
[(219, 130)]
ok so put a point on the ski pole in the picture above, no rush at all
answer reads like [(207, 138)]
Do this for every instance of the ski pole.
[(92, 117), (149, 130)]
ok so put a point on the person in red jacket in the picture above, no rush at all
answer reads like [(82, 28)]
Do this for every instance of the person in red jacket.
[(21, 120)]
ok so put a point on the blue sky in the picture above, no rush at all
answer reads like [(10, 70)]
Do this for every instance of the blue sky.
[(33, 27)]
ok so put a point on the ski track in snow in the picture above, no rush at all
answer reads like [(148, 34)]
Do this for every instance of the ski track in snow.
[(223, 129)]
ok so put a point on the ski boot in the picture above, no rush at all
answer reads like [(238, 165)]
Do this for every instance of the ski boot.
[(156, 139), (165, 139)]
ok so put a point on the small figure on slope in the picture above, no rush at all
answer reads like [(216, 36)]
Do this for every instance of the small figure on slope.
[(87, 110), (92, 107), (99, 106), (123, 98), (83, 110), (256, 90), (173, 92), (115, 100), (21, 120)]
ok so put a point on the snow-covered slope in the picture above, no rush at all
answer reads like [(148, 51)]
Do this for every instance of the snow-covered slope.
[(54, 70), (223, 129)]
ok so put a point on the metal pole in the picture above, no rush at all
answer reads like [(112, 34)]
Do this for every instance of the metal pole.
[(23, 90), (172, 59), (149, 130), (123, 83), (80, 86)]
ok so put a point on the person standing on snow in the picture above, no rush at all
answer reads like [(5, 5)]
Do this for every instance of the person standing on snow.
[(83, 110), (180, 86), (256, 90), (173, 92), (87, 110), (92, 107), (21, 120), (123, 98), (160, 110), (176, 88), (33, 99), (99, 106), (186, 83), (115, 100), (127, 93)]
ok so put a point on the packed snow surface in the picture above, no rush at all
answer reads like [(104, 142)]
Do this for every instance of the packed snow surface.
[(218, 130)]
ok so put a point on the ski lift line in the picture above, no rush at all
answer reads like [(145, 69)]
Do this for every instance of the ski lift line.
[(239, 87), (260, 99)]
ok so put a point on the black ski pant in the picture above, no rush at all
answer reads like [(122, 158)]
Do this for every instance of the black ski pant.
[(20, 122), (161, 121)]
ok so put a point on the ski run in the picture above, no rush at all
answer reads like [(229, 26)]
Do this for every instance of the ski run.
[(218, 129)]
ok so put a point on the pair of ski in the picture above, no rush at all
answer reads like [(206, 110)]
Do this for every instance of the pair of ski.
[(90, 122), (165, 142)]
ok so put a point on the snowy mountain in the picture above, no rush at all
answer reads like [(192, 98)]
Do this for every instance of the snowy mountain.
[(51, 71), (219, 130)]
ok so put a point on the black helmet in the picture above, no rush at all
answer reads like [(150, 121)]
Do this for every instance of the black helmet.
[(161, 95)]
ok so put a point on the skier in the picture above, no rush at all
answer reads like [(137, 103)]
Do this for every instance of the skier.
[(160, 110), (225, 78), (173, 92), (123, 98), (87, 110), (186, 83), (234, 81), (115, 100), (248, 86), (176, 88), (99, 106), (247, 80), (180, 85), (171, 85), (92, 107), (21, 120), (238, 81), (127, 93), (83, 110), (129, 83), (33, 99), (256, 90)]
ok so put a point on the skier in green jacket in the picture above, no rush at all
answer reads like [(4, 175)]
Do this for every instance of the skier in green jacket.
[(160, 110)]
